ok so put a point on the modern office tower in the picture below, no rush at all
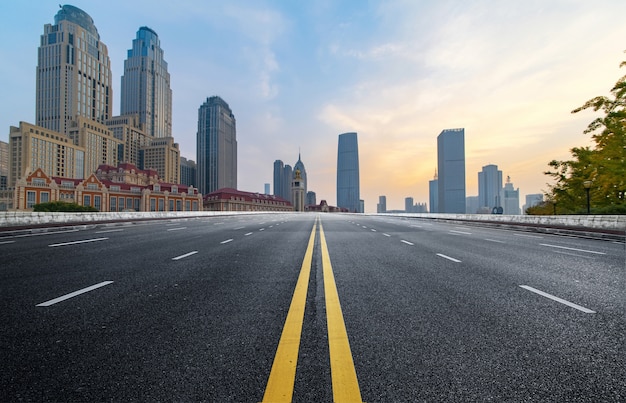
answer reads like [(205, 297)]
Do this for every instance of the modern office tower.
[(348, 188), (163, 155), (451, 170), (287, 177), (489, 189), (187, 172), (216, 152), (408, 205), (146, 85), (101, 146), (381, 207), (532, 200), (297, 191), (266, 188), (511, 198), (433, 193), (311, 198), (73, 73), (32, 147), (130, 132), (4, 165), (279, 179), (300, 167)]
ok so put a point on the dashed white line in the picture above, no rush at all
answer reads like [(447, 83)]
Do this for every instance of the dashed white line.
[(460, 232), (494, 240), (5, 242), (238, 228), (575, 249), (261, 229), (386, 234), (227, 241), (448, 257), (557, 299), (249, 233), (77, 242), (528, 236), (177, 228), (185, 255), (44, 233), (75, 293), (373, 230), (406, 242)]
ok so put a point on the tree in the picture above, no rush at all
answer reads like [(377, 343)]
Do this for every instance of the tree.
[(604, 164)]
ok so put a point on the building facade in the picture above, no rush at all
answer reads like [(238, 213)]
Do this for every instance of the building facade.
[(187, 172), (348, 184), (216, 153), (227, 199), (121, 188), (511, 198), (129, 131), (146, 85), (489, 189), (73, 72), (101, 146), (163, 155), (381, 207), (298, 191), (433, 194), (451, 171), (279, 180), (532, 200)]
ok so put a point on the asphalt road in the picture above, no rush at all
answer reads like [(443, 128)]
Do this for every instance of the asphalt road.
[(200, 310)]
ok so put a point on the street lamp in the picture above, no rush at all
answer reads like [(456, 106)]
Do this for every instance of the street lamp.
[(587, 185)]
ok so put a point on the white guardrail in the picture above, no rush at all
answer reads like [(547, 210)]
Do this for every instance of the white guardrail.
[(611, 224)]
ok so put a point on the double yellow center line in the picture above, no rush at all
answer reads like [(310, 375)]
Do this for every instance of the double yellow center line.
[(282, 377)]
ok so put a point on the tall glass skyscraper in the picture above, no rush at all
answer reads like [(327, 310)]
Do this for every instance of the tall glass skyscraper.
[(279, 178), (73, 72), (451, 171), (146, 85), (489, 188), (348, 188), (216, 146)]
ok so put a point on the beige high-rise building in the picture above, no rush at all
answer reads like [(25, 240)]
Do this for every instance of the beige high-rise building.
[(73, 72), (163, 155), (129, 130), (32, 147), (101, 147)]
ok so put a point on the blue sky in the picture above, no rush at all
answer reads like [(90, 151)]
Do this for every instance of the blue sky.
[(298, 73)]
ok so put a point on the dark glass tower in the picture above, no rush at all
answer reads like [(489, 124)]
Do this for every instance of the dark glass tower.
[(216, 146), (451, 171), (348, 188)]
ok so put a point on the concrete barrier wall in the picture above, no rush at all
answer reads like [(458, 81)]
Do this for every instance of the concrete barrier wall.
[(610, 223)]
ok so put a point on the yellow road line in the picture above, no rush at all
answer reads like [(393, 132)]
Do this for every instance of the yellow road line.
[(343, 374), (283, 374)]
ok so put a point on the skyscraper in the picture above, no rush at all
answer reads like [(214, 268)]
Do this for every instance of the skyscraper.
[(348, 188), (381, 207), (300, 166), (433, 194), (73, 72), (451, 171), (489, 189), (279, 179), (511, 198), (216, 146), (146, 85)]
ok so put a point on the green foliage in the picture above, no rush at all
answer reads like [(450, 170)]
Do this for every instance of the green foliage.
[(604, 164), (59, 206)]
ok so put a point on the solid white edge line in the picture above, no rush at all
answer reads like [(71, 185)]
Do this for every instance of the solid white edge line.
[(6, 242), (109, 230), (227, 241), (406, 242), (575, 249), (448, 257), (75, 293), (77, 242), (185, 255), (557, 299)]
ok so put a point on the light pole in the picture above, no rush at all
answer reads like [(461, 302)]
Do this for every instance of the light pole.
[(587, 185)]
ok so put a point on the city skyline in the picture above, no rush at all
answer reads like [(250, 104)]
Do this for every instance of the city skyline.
[(396, 73)]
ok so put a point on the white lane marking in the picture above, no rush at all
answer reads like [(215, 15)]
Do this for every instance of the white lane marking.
[(171, 224), (406, 242), (557, 299), (44, 233), (529, 236), (261, 229), (249, 233), (373, 230), (219, 223), (238, 228), (75, 293), (364, 226), (177, 228), (386, 234), (271, 226), (185, 255), (575, 249), (574, 254), (5, 242), (415, 226), (448, 257), (227, 241), (77, 242), (494, 240), (460, 232), (109, 230)]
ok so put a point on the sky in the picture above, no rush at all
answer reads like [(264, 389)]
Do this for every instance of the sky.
[(296, 74)]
